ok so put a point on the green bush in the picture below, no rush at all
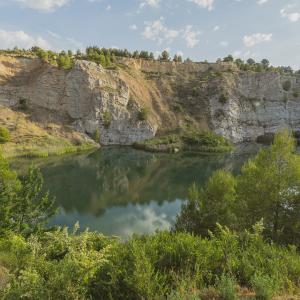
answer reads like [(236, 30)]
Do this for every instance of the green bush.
[(227, 287), (287, 85), (23, 104), (4, 135), (264, 286), (143, 114), (106, 119), (96, 136), (223, 98)]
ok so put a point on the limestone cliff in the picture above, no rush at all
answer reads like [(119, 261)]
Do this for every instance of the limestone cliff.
[(237, 104)]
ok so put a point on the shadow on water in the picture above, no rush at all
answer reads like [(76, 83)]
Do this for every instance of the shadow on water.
[(121, 191)]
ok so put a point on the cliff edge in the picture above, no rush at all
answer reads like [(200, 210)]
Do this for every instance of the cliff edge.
[(138, 99)]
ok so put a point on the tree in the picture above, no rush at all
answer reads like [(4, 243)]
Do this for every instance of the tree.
[(78, 53), (239, 62), (32, 207), (269, 189), (9, 187), (151, 55), (165, 55), (251, 61), (64, 61), (209, 206), (102, 60), (228, 58), (136, 54), (144, 54), (265, 63), (24, 207)]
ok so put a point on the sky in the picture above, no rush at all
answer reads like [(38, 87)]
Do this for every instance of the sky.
[(198, 29)]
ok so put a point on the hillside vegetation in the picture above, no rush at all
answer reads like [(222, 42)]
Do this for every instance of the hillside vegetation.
[(20, 136), (201, 258)]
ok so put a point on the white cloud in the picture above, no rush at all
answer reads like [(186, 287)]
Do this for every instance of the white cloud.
[(204, 3), (257, 38), (190, 36), (291, 16), (260, 2), (158, 32), (133, 27), (151, 3), (43, 5), (108, 7), (10, 39), (216, 28)]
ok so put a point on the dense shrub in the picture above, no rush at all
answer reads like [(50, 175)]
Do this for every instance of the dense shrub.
[(223, 98), (58, 265), (227, 287), (106, 119), (267, 189), (287, 85), (4, 135), (143, 114), (264, 286), (96, 136)]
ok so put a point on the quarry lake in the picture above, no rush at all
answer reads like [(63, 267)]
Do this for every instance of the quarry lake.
[(121, 191)]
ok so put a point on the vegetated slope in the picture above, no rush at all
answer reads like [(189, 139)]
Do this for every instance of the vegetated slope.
[(137, 99), (29, 138)]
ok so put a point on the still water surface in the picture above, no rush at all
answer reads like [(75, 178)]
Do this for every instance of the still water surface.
[(121, 191)]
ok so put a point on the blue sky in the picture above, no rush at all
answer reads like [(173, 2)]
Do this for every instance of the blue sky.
[(199, 29)]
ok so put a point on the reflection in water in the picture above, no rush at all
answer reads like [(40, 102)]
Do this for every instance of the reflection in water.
[(121, 191)]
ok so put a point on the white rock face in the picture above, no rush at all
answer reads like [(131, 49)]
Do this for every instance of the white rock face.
[(257, 105), (83, 95), (87, 95)]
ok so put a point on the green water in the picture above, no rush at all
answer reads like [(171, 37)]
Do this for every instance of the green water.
[(121, 191)]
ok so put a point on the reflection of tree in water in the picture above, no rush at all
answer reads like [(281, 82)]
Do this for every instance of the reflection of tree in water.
[(118, 176)]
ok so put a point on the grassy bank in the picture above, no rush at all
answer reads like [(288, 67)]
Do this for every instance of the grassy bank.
[(44, 147), (22, 137), (205, 142)]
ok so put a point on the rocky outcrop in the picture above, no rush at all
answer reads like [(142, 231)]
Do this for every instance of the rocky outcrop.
[(258, 104), (85, 97), (240, 105)]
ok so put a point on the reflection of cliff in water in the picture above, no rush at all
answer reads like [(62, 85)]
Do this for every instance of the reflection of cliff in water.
[(118, 176)]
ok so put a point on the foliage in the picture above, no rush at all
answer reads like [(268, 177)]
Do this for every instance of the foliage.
[(23, 103), (165, 56), (287, 85), (96, 136), (228, 58), (143, 114), (227, 287), (267, 189), (106, 119), (190, 140), (264, 286), (59, 265), (207, 207), (4, 135), (24, 207), (53, 264), (223, 98)]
